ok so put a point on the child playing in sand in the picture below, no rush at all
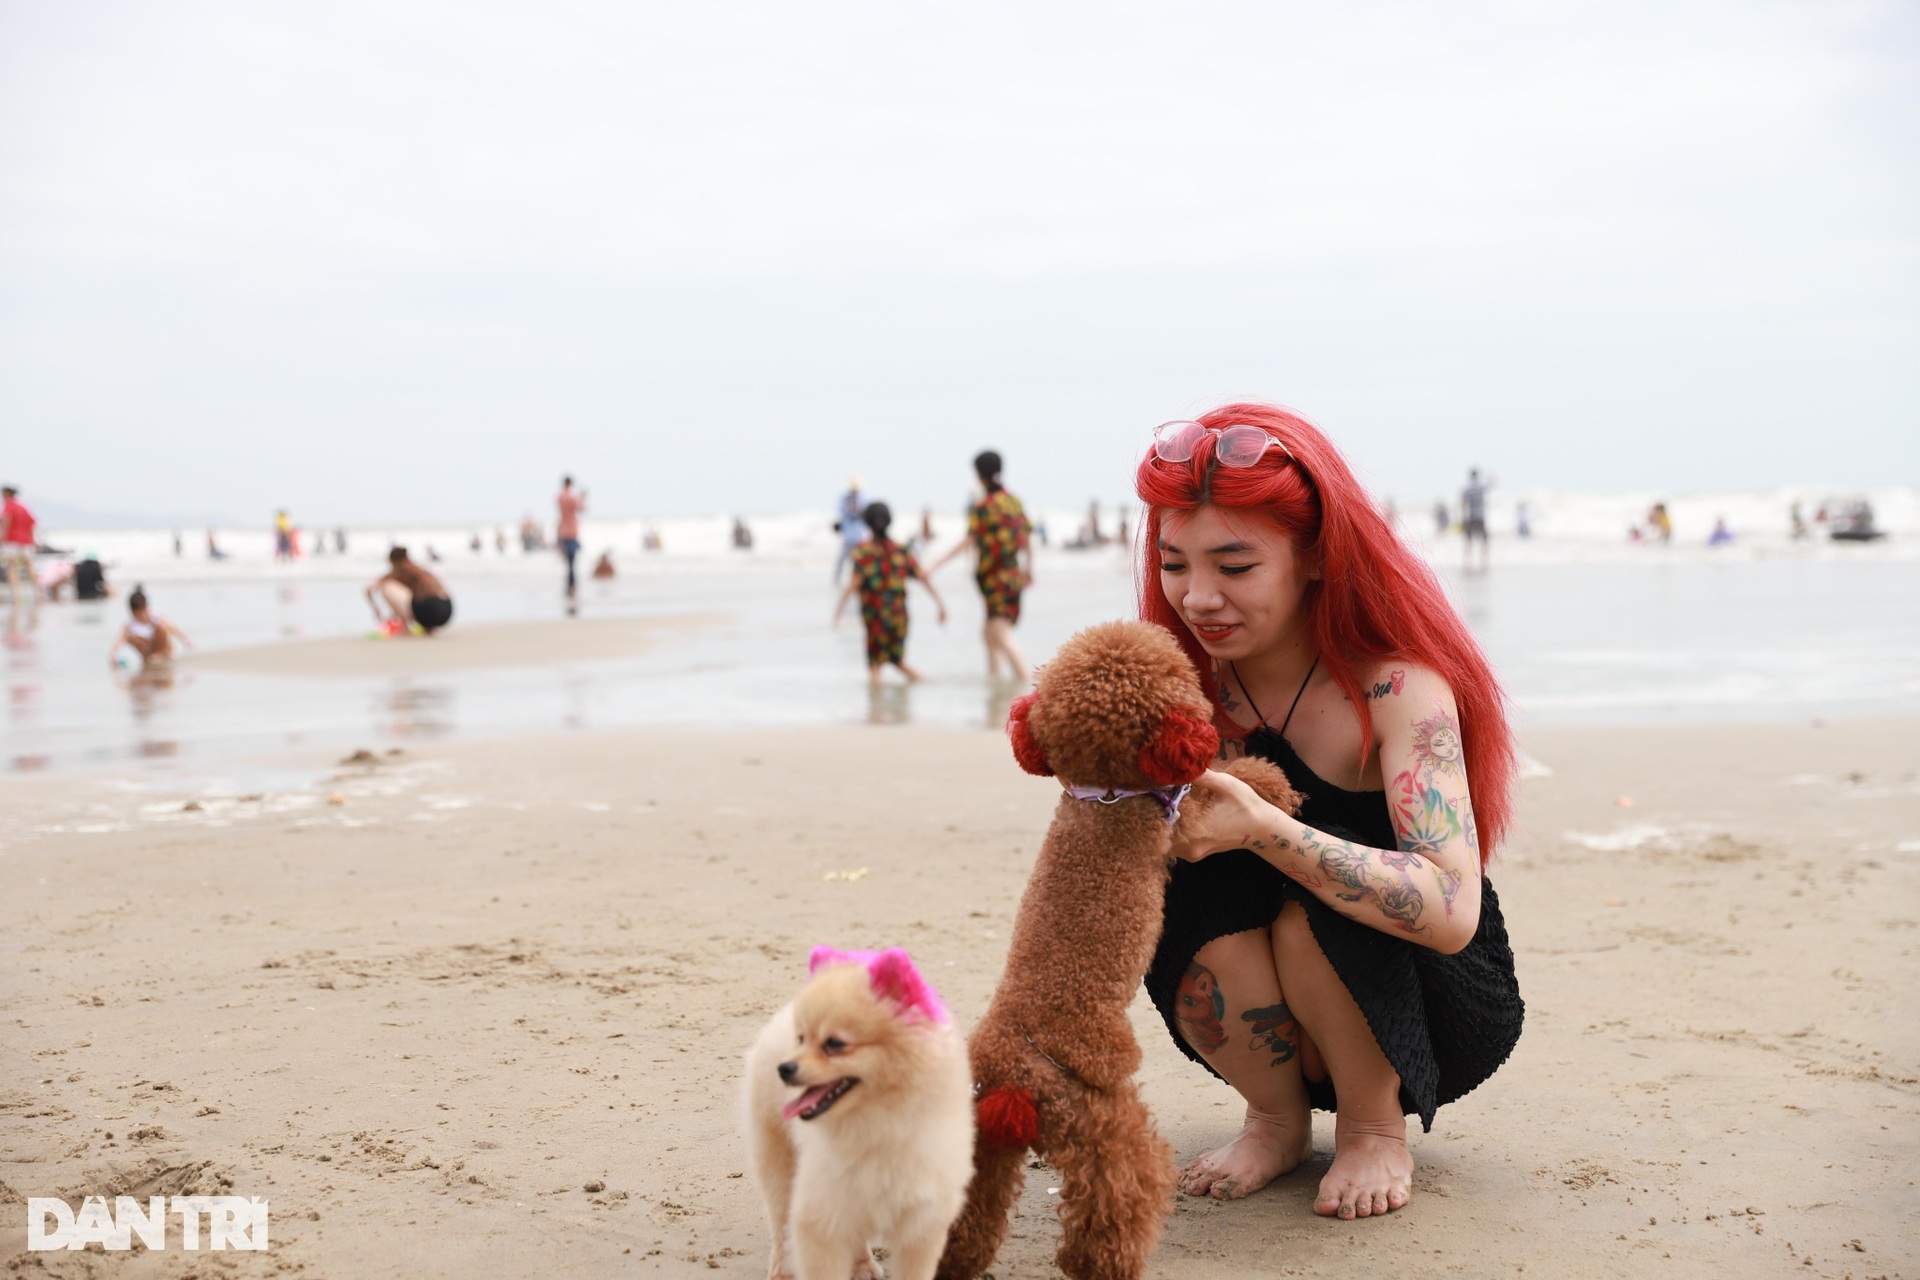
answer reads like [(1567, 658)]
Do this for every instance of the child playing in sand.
[(147, 633), (881, 568), (411, 596)]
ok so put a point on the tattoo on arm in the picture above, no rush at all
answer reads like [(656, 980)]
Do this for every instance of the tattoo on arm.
[(1198, 1006), (1426, 819), (1388, 887), (1275, 1030)]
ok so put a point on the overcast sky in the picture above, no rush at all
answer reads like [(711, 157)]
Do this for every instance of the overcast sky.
[(377, 261)]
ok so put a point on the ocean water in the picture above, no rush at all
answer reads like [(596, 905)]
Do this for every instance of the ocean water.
[(1659, 636)]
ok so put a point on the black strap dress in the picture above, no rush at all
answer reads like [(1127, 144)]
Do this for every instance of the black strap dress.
[(1445, 1023)]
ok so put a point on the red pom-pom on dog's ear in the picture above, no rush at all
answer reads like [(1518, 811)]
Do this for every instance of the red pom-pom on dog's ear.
[(1026, 749), (1180, 749)]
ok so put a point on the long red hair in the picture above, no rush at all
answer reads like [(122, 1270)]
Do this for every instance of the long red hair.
[(1374, 600)]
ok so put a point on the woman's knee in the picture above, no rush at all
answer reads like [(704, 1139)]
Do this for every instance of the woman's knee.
[(1232, 972)]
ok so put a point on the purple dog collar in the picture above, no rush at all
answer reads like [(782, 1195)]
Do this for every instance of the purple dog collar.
[(1169, 797)]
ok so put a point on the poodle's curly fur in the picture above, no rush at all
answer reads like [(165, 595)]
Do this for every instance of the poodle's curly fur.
[(1120, 707)]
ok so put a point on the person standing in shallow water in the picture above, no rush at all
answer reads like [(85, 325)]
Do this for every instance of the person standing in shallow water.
[(566, 532), (1352, 958), (881, 570), (1001, 537)]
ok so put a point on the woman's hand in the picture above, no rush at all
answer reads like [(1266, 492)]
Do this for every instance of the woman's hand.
[(1232, 816)]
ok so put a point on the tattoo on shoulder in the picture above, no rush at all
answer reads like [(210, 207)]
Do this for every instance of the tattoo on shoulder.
[(1393, 684)]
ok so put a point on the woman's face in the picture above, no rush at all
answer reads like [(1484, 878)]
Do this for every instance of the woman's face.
[(1235, 580)]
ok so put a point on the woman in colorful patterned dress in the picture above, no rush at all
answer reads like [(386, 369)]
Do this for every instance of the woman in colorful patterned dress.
[(881, 569), (1001, 535)]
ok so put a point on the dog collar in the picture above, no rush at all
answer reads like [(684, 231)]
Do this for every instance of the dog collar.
[(1169, 797)]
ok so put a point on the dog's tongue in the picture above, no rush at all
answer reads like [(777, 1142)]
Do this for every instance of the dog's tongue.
[(805, 1100)]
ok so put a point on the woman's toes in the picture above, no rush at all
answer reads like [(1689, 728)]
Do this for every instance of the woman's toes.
[(1197, 1178)]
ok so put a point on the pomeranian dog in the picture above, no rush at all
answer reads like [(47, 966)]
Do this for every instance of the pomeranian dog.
[(859, 1116)]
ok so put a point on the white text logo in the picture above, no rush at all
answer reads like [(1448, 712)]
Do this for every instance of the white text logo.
[(233, 1222)]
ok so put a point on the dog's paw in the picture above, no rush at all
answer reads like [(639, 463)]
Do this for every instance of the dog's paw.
[(1267, 780), (868, 1268)]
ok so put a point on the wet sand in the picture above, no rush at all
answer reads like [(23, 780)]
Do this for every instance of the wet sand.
[(532, 643), (422, 1020)]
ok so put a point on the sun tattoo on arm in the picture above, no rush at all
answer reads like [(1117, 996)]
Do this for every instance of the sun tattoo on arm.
[(1426, 820)]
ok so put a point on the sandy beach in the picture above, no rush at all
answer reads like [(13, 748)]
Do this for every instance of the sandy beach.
[(425, 1003), (532, 643)]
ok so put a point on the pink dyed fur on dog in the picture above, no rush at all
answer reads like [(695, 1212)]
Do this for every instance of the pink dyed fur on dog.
[(893, 977)]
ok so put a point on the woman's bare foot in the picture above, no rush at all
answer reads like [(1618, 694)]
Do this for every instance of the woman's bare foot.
[(1265, 1149), (1372, 1170)]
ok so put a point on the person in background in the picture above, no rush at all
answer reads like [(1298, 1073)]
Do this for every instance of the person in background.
[(742, 535), (1523, 520), (1797, 522), (571, 503), (603, 567), (411, 595), (147, 633), (90, 579), (848, 523), (176, 544), (282, 535), (1000, 536), (213, 548), (1442, 519), (1721, 535), (1473, 517), (340, 542), (16, 544), (1662, 522), (881, 571)]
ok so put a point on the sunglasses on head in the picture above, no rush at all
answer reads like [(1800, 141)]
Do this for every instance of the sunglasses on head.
[(1239, 445)]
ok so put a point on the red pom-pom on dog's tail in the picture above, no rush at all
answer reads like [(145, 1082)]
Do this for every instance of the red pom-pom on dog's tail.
[(1008, 1119)]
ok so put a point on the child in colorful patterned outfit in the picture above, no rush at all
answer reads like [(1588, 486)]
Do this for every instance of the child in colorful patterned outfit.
[(881, 568), (1000, 534)]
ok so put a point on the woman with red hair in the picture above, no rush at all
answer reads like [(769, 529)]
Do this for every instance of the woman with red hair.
[(1352, 958)]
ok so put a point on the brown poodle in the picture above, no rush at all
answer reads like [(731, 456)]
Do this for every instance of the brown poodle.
[(1120, 718)]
